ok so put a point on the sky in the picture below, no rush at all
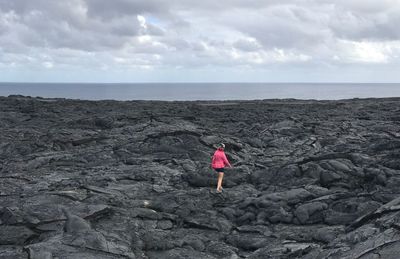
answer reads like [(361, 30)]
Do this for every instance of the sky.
[(199, 41)]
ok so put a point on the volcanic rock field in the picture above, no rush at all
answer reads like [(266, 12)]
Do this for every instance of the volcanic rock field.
[(110, 179)]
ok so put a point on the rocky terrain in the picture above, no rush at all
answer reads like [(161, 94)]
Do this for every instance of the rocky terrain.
[(108, 179)]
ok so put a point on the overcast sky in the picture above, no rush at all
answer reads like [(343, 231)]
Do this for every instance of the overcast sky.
[(200, 41)]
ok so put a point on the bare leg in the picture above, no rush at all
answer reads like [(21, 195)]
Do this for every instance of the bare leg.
[(220, 177)]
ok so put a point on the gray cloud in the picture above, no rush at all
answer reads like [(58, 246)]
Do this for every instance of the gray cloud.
[(357, 25), (247, 45), (106, 9), (72, 24), (176, 33)]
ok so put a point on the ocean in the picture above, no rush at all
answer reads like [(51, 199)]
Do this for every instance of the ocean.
[(201, 91)]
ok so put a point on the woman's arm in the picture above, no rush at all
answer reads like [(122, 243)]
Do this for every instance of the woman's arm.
[(212, 160), (226, 162)]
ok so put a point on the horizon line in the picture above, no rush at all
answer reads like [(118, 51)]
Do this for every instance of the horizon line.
[(193, 82)]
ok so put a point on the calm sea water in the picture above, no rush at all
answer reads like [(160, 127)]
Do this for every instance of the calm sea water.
[(201, 91)]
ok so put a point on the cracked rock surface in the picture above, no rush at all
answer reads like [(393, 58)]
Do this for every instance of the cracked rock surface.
[(110, 179)]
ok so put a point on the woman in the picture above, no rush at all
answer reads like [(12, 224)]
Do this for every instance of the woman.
[(219, 161)]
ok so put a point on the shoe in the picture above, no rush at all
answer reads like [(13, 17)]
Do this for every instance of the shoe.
[(219, 191)]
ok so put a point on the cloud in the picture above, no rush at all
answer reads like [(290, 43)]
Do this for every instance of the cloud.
[(366, 20), (152, 34), (71, 24), (247, 44), (107, 10)]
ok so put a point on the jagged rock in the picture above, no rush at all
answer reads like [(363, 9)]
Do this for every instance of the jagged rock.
[(14, 252), (205, 222), (393, 205), (89, 239), (15, 235), (293, 196), (247, 242), (165, 224), (77, 195), (255, 229), (311, 179), (193, 242), (306, 211), (329, 177), (79, 233), (327, 234), (222, 250), (11, 215), (157, 240), (146, 213), (178, 253), (318, 191), (286, 250), (39, 254), (75, 224), (386, 242), (339, 218)]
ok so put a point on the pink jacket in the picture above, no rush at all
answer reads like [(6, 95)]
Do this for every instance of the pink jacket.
[(219, 159)]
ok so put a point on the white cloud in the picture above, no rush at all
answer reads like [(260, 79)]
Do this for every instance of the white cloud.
[(48, 64), (247, 44), (142, 21), (154, 34), (367, 52)]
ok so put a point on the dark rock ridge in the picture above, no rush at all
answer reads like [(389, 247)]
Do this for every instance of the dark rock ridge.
[(109, 179)]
